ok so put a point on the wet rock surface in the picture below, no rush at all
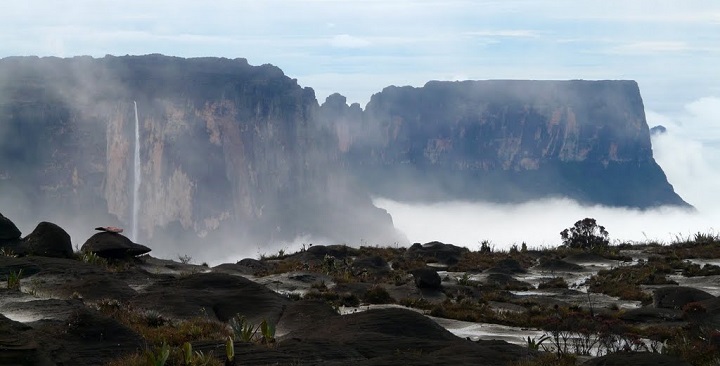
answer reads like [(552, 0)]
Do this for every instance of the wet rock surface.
[(87, 311)]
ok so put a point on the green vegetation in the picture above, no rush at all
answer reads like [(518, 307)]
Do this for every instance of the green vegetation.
[(13, 280), (7, 252), (586, 234), (624, 282)]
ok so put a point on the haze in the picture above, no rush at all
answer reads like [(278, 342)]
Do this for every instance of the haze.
[(358, 47)]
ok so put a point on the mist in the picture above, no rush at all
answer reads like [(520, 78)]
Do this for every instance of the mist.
[(689, 153)]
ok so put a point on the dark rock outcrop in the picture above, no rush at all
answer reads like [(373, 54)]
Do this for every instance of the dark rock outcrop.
[(675, 297), (427, 278), (217, 295), (48, 240), (8, 230), (507, 266), (436, 251), (636, 358), (373, 266), (658, 130), (113, 246), (18, 346)]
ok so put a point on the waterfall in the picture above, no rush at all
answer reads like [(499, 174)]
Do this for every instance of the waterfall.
[(136, 178)]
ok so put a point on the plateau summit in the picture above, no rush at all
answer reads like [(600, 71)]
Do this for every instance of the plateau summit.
[(216, 147)]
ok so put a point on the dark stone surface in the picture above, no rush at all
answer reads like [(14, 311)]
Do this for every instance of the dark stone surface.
[(218, 295), (370, 266), (651, 314), (554, 264), (636, 358), (675, 297), (426, 278), (507, 266), (8, 230), (18, 346), (436, 251), (113, 245), (48, 240)]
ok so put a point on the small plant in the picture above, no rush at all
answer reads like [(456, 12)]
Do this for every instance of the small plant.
[(230, 351), (159, 356), (268, 332), (242, 329), (13, 280), (535, 343), (187, 353), (184, 259), (7, 252), (154, 319), (465, 280), (92, 258)]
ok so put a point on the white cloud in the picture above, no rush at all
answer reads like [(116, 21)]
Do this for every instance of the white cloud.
[(348, 41), (513, 33), (650, 47)]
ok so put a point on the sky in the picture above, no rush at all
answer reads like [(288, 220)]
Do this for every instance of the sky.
[(357, 48)]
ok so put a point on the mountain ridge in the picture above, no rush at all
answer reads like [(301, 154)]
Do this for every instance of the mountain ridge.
[(234, 150)]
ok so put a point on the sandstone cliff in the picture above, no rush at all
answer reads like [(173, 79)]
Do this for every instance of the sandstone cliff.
[(233, 150), (503, 141), (226, 149)]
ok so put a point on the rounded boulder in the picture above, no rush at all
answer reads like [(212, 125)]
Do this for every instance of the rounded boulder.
[(113, 246), (48, 240)]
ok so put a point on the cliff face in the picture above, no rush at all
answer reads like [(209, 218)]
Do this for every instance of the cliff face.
[(233, 150), (503, 141), (226, 149)]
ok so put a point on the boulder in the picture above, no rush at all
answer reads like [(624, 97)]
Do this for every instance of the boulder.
[(427, 278), (675, 297), (636, 359), (337, 251), (391, 337), (48, 240), (217, 295), (247, 266), (17, 345), (507, 266), (436, 251), (299, 314), (8, 230), (113, 246)]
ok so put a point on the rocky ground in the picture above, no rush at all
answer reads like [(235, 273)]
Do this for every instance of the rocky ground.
[(112, 303)]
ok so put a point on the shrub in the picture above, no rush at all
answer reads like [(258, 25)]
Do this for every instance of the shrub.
[(557, 282), (377, 295), (586, 234), (13, 280)]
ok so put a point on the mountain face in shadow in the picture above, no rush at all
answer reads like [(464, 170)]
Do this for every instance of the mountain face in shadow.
[(233, 150), (503, 141), (226, 150)]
